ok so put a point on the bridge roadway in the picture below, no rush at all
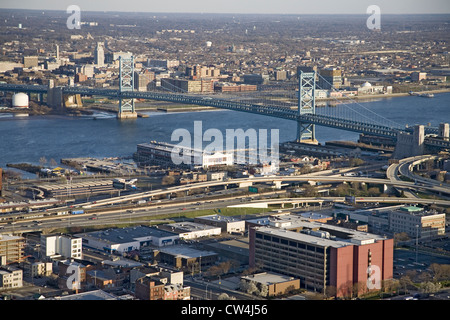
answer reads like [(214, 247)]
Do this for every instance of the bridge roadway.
[(279, 112), (250, 181), (405, 168)]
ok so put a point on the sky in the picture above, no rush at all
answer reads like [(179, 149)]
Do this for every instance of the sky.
[(239, 6)]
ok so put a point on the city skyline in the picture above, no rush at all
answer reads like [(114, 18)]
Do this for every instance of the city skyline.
[(237, 7)]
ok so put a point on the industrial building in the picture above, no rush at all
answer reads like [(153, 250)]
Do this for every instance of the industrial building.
[(99, 55), (77, 189), (128, 239), (324, 257), (162, 154), (227, 224), (190, 230), (415, 221)]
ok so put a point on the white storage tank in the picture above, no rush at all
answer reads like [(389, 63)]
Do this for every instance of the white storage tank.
[(20, 100)]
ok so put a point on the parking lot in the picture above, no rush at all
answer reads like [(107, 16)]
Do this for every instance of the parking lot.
[(405, 260)]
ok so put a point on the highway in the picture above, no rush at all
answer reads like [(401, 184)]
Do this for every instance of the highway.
[(404, 168), (272, 179)]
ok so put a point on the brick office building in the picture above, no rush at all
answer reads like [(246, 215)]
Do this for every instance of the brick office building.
[(325, 258)]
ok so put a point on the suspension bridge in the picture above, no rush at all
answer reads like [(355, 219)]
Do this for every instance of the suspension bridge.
[(292, 102)]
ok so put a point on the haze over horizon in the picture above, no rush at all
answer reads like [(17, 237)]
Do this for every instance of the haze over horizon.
[(241, 7)]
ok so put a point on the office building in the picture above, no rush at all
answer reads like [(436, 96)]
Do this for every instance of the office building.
[(61, 246), (227, 224), (417, 222), (184, 85), (190, 230), (418, 76), (326, 258), (99, 55), (330, 78), (281, 75)]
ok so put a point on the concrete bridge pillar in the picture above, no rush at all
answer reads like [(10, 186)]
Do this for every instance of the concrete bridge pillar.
[(444, 131), (55, 98)]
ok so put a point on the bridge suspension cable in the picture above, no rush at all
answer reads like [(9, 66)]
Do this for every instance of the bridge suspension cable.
[(370, 117)]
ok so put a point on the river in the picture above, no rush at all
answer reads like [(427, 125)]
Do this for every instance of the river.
[(27, 139)]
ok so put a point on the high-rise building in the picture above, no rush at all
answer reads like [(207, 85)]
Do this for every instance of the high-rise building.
[(99, 55), (326, 258), (330, 78), (142, 79)]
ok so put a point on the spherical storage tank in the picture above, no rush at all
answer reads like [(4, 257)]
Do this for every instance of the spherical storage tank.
[(20, 100)]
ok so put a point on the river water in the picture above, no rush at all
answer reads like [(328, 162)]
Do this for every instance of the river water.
[(27, 139)]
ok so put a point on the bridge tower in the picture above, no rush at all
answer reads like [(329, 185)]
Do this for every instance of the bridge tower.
[(126, 84), (306, 105)]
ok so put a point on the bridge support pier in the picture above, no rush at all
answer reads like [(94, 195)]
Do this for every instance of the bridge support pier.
[(306, 106), (126, 78)]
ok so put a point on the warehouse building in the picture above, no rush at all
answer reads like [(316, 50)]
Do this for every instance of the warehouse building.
[(189, 230), (227, 224), (128, 239)]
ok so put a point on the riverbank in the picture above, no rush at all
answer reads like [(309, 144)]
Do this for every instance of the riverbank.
[(383, 96)]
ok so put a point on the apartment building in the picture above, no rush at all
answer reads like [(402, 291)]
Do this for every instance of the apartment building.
[(163, 154), (11, 248)]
